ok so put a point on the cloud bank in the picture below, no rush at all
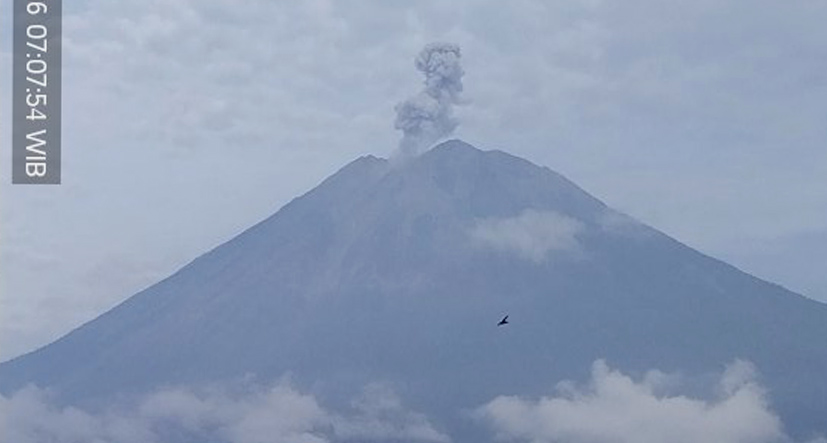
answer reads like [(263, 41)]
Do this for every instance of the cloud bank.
[(614, 408), (382, 417), (278, 414), (611, 408), (428, 116), (532, 234)]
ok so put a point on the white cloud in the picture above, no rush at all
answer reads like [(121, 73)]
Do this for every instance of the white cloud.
[(615, 408), (29, 417), (532, 234), (382, 417), (276, 414)]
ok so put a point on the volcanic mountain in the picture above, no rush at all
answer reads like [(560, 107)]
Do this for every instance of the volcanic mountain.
[(400, 271)]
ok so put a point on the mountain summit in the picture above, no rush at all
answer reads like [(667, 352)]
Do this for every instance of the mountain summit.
[(399, 272)]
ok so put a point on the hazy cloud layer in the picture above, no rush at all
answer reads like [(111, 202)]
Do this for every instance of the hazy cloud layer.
[(382, 417), (611, 407), (532, 234), (614, 408), (279, 414)]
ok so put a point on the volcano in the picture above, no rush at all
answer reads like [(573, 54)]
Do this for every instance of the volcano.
[(398, 271)]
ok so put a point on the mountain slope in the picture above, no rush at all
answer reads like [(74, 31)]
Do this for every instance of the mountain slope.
[(399, 272)]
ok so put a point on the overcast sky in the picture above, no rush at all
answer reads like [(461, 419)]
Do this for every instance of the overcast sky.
[(186, 121)]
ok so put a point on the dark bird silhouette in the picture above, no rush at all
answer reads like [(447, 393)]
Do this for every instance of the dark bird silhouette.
[(504, 321)]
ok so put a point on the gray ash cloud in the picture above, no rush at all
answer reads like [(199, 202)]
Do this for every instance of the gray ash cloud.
[(428, 116)]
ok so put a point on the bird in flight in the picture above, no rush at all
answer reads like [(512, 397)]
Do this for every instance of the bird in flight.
[(503, 322)]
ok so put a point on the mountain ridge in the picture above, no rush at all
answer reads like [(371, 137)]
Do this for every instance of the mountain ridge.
[(388, 266)]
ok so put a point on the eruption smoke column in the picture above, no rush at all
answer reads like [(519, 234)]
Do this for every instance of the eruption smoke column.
[(428, 116)]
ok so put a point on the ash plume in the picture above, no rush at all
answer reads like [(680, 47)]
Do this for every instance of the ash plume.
[(428, 116)]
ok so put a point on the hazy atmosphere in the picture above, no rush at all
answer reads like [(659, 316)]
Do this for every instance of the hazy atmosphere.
[(186, 121)]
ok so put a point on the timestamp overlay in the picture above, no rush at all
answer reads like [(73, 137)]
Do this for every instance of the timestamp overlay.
[(36, 92)]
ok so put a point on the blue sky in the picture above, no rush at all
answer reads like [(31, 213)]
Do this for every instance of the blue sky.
[(186, 121)]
